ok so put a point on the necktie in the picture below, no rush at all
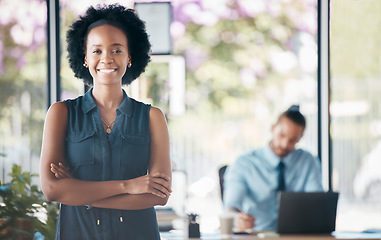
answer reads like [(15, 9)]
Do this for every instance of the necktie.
[(281, 184)]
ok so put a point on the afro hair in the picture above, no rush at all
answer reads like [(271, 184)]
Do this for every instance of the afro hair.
[(138, 43)]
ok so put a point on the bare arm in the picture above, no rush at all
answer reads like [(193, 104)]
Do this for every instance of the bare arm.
[(158, 181), (160, 165), (71, 191)]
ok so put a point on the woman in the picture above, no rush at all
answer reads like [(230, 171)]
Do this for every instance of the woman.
[(105, 156)]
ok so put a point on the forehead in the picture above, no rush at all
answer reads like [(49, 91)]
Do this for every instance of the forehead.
[(288, 126), (106, 34)]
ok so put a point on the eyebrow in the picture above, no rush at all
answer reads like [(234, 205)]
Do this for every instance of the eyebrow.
[(114, 44)]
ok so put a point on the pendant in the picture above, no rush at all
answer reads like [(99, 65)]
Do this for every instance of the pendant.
[(108, 130)]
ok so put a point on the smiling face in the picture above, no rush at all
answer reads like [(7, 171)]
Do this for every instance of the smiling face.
[(107, 54), (286, 134)]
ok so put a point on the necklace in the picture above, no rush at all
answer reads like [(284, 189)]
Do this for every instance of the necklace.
[(108, 127)]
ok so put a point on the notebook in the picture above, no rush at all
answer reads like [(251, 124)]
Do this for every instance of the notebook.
[(301, 212)]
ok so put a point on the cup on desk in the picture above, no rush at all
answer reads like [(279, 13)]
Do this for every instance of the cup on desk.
[(226, 224)]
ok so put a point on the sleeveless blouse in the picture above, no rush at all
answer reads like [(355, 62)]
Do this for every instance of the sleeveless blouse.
[(92, 155)]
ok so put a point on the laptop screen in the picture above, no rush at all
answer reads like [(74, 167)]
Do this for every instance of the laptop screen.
[(301, 212)]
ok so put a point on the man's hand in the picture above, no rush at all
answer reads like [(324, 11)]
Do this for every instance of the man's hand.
[(245, 221)]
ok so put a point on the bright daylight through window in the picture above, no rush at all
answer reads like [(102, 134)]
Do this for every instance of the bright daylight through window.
[(355, 111), (241, 63)]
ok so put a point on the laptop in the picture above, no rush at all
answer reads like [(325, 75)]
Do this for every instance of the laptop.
[(307, 213)]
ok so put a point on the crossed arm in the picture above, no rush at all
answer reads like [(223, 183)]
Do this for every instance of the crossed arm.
[(138, 193)]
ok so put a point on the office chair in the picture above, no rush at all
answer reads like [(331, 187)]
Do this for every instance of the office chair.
[(221, 172)]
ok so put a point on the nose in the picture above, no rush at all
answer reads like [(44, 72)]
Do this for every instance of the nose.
[(284, 144), (106, 58)]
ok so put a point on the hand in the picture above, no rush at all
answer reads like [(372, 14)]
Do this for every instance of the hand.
[(157, 184), (60, 171), (245, 221)]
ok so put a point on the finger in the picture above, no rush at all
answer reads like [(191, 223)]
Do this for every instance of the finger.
[(156, 186), (65, 171), (162, 189), (245, 221), (249, 218), (246, 217), (158, 193), (57, 176), (58, 170), (53, 168), (61, 169), (163, 183), (244, 225), (161, 175)]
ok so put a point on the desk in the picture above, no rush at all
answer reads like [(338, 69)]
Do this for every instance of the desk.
[(343, 236)]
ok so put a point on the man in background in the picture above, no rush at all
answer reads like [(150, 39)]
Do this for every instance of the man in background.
[(253, 181)]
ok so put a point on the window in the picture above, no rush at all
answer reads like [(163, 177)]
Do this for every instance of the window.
[(245, 64), (23, 76), (355, 46)]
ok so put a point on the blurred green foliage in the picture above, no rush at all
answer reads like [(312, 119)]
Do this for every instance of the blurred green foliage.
[(22, 201)]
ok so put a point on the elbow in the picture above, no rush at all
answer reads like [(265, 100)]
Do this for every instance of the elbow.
[(49, 197), (162, 201), (48, 191)]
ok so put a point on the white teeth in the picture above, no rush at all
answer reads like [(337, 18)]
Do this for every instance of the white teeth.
[(106, 70)]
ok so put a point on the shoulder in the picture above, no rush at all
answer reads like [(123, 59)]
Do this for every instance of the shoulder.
[(245, 160), (251, 156), (307, 157), (158, 129), (242, 167), (157, 119), (57, 109), (156, 113), (56, 115), (301, 153)]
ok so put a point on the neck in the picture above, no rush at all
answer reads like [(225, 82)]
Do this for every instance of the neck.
[(108, 97)]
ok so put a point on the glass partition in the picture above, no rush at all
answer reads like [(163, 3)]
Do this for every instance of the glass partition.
[(236, 67), (23, 77), (245, 63), (355, 50)]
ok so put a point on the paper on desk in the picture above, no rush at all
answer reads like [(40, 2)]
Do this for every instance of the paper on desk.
[(179, 235), (356, 235)]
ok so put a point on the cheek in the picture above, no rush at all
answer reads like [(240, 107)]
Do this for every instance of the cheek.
[(276, 142)]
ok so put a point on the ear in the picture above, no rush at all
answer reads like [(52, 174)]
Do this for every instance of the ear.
[(299, 138)]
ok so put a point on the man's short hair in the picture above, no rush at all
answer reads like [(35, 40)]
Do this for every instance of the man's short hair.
[(294, 115)]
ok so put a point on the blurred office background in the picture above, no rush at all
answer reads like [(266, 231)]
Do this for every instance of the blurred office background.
[(221, 71)]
